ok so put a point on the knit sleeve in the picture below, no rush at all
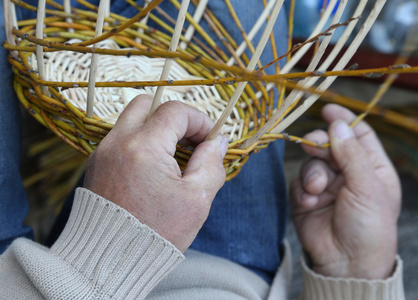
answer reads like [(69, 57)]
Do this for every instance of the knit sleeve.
[(103, 253), (318, 287)]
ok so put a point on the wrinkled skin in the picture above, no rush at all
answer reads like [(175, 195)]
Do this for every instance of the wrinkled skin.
[(347, 201), (134, 168)]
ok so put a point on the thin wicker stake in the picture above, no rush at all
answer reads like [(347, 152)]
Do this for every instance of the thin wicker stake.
[(95, 58), (9, 23), (344, 37), (144, 21), (200, 9), (327, 39), (294, 60), (237, 21), (273, 45), (226, 41), (327, 82), (340, 65), (240, 88), (39, 49), (341, 41), (260, 21), (298, 55), (335, 51), (324, 6), (296, 94), (67, 9), (202, 32), (107, 12), (291, 26), (13, 14), (173, 47), (126, 24)]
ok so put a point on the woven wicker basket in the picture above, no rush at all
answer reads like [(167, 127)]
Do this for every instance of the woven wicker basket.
[(77, 84)]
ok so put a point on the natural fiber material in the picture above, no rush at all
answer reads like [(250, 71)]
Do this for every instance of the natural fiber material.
[(130, 56), (110, 102)]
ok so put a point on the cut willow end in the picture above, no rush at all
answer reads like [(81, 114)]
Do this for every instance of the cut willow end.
[(39, 49), (254, 30), (279, 114), (327, 39), (200, 9), (296, 95), (67, 9), (319, 27), (344, 37), (259, 50), (342, 63), (173, 47), (301, 52), (103, 8), (340, 44), (144, 21), (10, 21)]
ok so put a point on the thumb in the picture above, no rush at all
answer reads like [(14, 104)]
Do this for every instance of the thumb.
[(205, 166), (350, 157)]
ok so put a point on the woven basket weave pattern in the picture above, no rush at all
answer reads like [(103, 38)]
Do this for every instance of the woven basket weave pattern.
[(64, 110)]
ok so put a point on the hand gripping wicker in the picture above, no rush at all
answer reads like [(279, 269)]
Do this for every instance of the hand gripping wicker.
[(76, 70)]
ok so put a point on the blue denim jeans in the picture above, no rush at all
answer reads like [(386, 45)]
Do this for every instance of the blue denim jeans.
[(247, 221), (13, 202)]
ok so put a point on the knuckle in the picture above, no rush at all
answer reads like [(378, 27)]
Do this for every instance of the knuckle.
[(130, 150), (171, 107)]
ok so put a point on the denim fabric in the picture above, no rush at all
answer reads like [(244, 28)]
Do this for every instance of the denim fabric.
[(13, 202), (247, 221)]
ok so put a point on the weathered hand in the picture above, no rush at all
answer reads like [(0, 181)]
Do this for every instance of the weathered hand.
[(347, 201), (134, 168)]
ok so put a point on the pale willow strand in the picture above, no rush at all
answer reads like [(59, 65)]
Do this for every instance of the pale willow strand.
[(341, 64), (110, 102)]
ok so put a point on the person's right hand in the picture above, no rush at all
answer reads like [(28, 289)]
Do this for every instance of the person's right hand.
[(134, 167)]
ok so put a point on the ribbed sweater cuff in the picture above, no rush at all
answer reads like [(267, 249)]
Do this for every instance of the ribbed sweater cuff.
[(120, 256), (318, 287)]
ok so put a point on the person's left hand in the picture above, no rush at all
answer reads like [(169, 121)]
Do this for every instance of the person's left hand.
[(347, 201)]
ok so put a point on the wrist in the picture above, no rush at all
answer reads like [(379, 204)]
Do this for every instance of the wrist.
[(319, 287), (370, 270)]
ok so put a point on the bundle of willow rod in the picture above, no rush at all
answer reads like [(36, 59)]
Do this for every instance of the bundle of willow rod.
[(76, 70)]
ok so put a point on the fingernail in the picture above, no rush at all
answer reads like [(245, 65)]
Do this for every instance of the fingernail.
[(309, 201), (309, 177), (342, 130), (223, 143)]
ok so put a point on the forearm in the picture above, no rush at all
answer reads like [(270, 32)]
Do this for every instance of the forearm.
[(318, 287), (103, 251)]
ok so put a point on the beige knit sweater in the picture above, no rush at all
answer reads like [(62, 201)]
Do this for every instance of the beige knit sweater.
[(105, 253)]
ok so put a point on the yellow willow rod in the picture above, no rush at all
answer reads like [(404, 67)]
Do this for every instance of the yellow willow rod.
[(280, 78), (122, 27), (149, 53)]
